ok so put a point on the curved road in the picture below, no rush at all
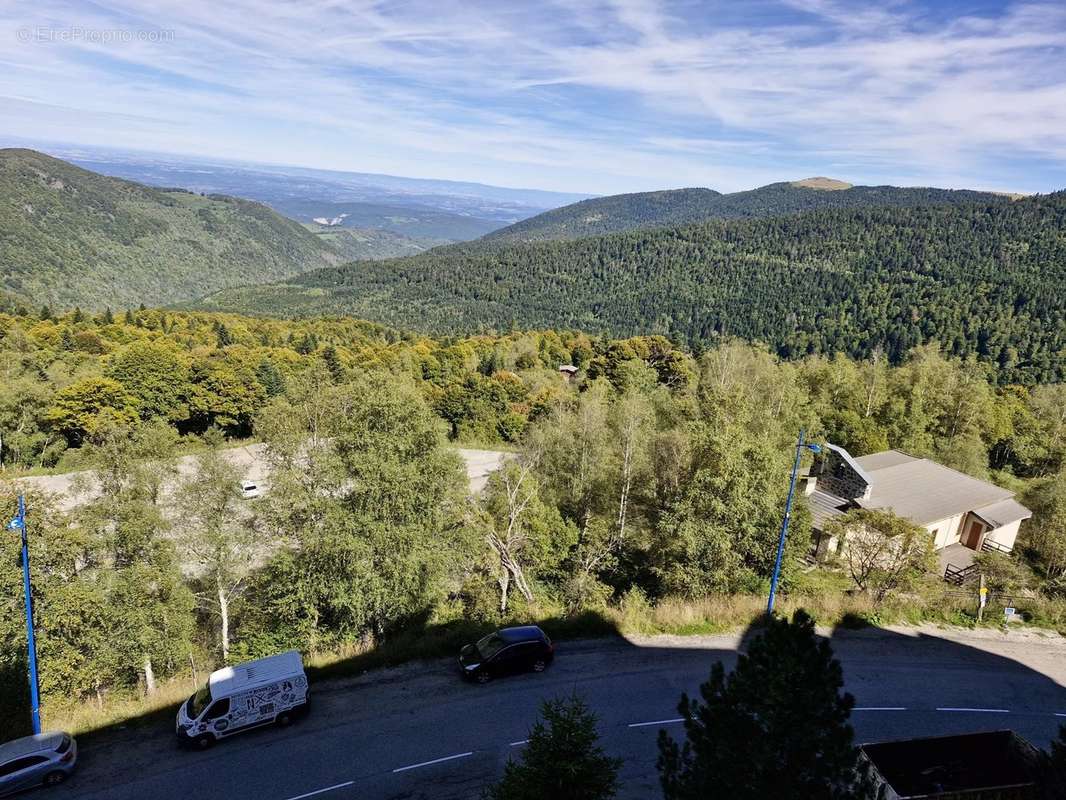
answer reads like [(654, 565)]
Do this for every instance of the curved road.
[(420, 732), (250, 458)]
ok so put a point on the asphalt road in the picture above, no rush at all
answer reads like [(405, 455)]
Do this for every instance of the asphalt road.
[(419, 732)]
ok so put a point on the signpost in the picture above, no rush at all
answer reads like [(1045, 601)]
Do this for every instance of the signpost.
[(982, 599)]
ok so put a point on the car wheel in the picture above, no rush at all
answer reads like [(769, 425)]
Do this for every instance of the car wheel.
[(204, 741), (284, 719), (483, 677), (55, 778), (540, 665)]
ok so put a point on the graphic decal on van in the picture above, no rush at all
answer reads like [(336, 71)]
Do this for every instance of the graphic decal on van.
[(266, 700)]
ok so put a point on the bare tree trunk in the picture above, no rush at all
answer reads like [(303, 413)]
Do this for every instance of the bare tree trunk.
[(149, 676), (223, 612), (505, 582), (871, 387), (627, 480), (521, 584)]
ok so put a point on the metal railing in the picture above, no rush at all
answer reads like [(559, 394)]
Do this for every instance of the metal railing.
[(992, 546)]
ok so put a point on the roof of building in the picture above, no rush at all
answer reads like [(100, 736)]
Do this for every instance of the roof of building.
[(1002, 513), (823, 506), (919, 489), (925, 492), (945, 765), (567, 368), (255, 673), (886, 458)]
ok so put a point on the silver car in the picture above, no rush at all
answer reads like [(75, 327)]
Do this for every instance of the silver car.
[(44, 760)]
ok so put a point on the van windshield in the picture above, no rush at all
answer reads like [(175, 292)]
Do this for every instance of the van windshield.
[(198, 702)]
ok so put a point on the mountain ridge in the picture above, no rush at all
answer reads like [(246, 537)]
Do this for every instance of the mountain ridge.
[(646, 210), (985, 279), (69, 237)]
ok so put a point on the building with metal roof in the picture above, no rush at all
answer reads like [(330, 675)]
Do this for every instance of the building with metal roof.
[(962, 513)]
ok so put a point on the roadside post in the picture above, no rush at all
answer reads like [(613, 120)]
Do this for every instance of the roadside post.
[(982, 600), (800, 444), (19, 524)]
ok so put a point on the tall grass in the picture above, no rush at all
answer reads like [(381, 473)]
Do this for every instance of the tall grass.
[(118, 709)]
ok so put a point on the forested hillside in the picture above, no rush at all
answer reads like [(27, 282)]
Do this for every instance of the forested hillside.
[(358, 244), (72, 237), (652, 480), (617, 212), (986, 279), (625, 212), (423, 224)]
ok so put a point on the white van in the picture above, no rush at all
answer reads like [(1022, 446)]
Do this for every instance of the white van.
[(272, 689)]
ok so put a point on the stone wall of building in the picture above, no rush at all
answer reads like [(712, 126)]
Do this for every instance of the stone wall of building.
[(837, 477)]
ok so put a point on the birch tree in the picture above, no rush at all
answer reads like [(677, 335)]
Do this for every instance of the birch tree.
[(150, 606), (526, 536), (632, 420), (217, 539), (1045, 534)]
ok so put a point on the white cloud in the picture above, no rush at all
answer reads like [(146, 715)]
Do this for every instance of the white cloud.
[(596, 96)]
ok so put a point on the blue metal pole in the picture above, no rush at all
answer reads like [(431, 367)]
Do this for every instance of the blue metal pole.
[(31, 641), (784, 526)]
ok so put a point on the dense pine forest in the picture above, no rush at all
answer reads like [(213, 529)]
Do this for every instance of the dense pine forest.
[(674, 207), (985, 280), (652, 480)]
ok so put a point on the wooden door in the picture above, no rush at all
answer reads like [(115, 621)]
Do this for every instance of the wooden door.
[(973, 535)]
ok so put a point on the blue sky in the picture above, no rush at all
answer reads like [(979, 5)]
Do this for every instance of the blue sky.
[(574, 95)]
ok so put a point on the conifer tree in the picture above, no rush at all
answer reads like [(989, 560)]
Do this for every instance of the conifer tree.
[(562, 760), (777, 726)]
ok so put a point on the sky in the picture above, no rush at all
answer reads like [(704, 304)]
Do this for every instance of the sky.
[(569, 95)]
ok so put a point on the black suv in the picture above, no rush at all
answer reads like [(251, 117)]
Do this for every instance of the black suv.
[(505, 652)]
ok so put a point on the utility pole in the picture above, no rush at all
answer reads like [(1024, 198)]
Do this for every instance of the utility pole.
[(19, 524), (800, 444)]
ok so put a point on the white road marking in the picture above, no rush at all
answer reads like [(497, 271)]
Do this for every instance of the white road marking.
[(322, 791), (434, 761), (979, 710), (879, 708), (516, 744), (656, 722), (1057, 714)]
